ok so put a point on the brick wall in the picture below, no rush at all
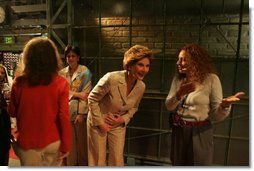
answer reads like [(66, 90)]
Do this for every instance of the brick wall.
[(220, 40)]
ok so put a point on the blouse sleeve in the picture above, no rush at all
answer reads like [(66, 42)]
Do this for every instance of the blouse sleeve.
[(216, 111)]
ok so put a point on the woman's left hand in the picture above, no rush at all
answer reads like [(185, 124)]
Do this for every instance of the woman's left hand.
[(226, 102), (14, 132), (79, 119), (114, 120), (81, 95), (62, 155)]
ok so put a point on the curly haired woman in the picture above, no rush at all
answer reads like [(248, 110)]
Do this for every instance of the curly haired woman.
[(196, 96)]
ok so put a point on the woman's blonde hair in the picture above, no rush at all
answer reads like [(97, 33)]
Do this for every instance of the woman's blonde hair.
[(134, 54)]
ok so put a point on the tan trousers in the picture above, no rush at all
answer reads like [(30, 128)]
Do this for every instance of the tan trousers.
[(97, 146), (47, 156), (78, 153)]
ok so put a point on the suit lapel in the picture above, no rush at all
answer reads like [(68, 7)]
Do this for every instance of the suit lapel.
[(122, 88), (135, 91)]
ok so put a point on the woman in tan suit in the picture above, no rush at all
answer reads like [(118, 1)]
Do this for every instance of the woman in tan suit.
[(112, 103)]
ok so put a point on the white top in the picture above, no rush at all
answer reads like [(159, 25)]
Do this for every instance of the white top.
[(200, 104)]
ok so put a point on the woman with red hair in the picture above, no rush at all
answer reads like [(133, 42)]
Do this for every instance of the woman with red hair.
[(196, 96)]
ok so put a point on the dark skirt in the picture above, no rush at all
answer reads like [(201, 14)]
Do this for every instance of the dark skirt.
[(192, 145)]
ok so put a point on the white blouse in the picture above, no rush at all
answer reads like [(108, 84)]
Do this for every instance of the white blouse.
[(200, 104)]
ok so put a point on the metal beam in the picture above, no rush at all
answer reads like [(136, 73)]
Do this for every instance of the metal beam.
[(29, 8), (58, 11), (29, 22)]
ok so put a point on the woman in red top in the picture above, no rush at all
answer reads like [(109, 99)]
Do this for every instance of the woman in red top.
[(39, 101)]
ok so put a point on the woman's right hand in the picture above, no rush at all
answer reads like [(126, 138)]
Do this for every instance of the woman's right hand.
[(104, 128), (226, 102), (185, 88)]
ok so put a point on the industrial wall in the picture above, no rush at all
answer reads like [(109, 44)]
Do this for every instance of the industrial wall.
[(105, 29)]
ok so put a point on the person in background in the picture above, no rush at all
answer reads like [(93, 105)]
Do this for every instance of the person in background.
[(79, 79), (5, 124), (196, 97), (112, 103), (5, 81), (39, 102)]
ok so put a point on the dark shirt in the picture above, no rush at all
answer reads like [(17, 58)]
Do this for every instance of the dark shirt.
[(5, 132)]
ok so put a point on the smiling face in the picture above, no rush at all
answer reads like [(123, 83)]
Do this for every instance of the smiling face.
[(140, 68), (72, 59), (183, 62)]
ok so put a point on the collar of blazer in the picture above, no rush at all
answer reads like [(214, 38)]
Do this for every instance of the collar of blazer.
[(122, 88), (76, 73)]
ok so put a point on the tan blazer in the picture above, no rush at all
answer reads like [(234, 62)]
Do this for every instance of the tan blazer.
[(109, 97)]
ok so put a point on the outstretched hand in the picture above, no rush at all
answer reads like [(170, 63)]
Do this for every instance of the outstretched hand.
[(226, 102)]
